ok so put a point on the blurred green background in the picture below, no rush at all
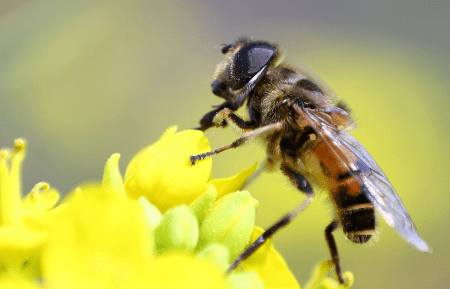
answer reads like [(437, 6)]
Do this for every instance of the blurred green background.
[(81, 80)]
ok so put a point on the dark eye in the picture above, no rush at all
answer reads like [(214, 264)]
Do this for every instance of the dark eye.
[(247, 62)]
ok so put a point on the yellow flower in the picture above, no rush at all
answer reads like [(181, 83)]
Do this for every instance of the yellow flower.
[(14, 281), (164, 175), (228, 221), (22, 236), (102, 241), (184, 271), (113, 236), (269, 265), (319, 280), (274, 272)]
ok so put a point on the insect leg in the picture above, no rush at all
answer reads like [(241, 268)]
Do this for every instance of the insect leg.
[(300, 183), (237, 123), (207, 120), (240, 141), (333, 248)]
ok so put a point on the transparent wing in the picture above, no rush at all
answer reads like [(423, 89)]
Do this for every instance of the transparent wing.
[(366, 171)]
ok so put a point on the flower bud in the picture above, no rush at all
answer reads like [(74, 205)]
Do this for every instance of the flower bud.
[(112, 179), (200, 206), (163, 173), (178, 230), (229, 222), (248, 280), (217, 255), (151, 213)]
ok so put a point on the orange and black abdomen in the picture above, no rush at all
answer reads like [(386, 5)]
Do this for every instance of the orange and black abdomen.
[(354, 211)]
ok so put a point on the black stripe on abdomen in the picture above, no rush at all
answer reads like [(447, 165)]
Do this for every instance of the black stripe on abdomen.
[(357, 220), (358, 223), (345, 200), (356, 213)]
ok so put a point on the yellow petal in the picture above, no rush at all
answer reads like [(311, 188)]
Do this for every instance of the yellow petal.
[(246, 280), (100, 240), (184, 271), (319, 274), (270, 265), (14, 281), (234, 183), (319, 278), (163, 174), (20, 247), (138, 161)]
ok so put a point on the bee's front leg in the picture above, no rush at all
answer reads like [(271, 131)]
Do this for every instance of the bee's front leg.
[(207, 122), (237, 123)]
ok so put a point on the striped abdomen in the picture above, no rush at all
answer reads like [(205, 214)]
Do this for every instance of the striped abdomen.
[(354, 211)]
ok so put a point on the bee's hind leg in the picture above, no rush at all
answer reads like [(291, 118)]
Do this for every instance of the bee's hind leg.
[(333, 248)]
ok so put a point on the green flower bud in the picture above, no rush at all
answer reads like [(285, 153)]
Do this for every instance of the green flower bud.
[(229, 222), (217, 255), (151, 213), (152, 218), (178, 230), (201, 205), (248, 280)]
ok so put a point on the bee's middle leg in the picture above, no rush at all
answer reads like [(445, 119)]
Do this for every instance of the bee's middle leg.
[(301, 183)]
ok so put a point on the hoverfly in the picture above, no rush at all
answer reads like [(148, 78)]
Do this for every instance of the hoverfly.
[(305, 132)]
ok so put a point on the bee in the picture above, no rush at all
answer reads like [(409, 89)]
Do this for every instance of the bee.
[(305, 131)]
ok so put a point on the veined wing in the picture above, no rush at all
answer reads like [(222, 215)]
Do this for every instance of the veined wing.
[(369, 175)]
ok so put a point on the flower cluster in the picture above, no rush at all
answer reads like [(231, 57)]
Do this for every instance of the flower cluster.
[(165, 225)]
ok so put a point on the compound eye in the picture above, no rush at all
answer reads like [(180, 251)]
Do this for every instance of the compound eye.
[(247, 62)]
